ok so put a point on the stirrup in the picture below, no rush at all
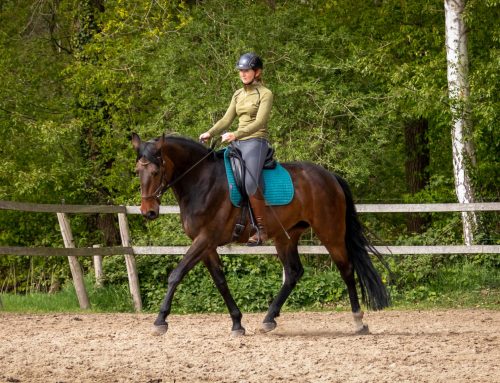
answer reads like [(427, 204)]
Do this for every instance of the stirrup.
[(254, 240)]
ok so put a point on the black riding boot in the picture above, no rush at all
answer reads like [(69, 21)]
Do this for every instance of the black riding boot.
[(258, 206)]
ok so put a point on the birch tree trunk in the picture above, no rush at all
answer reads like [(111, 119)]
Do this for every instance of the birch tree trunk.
[(458, 88)]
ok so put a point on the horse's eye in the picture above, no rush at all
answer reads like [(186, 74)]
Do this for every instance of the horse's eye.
[(154, 173)]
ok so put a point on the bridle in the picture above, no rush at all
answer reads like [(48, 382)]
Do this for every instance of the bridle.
[(164, 185), (162, 188)]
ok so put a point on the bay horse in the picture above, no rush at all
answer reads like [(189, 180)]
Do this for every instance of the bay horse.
[(322, 201)]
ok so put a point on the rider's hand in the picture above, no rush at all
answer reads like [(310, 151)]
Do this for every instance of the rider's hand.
[(204, 137), (228, 137)]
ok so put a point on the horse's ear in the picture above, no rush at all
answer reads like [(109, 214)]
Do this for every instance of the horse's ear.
[(136, 141)]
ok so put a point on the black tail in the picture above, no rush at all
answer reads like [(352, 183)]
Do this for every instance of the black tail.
[(373, 291)]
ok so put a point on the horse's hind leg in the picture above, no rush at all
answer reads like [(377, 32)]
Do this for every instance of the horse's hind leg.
[(292, 272), (338, 252), (214, 266)]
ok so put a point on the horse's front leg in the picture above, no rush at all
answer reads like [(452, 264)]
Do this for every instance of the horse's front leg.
[(191, 258), (214, 266)]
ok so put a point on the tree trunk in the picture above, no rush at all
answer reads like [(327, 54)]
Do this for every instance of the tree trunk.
[(458, 88), (416, 164)]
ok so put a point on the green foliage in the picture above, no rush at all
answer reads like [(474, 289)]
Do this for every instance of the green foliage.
[(459, 283), (79, 76), (422, 282)]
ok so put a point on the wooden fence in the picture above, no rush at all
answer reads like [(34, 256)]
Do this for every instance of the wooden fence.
[(129, 251)]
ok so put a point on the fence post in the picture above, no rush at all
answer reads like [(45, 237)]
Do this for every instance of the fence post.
[(74, 265), (99, 275), (133, 277)]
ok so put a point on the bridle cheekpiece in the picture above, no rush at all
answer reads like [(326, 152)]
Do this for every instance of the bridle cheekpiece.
[(163, 187)]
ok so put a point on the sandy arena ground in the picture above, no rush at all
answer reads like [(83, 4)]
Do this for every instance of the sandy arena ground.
[(408, 346)]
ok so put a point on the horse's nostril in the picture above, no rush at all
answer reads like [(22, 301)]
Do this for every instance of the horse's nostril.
[(151, 214)]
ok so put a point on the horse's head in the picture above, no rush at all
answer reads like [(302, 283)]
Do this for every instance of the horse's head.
[(153, 172)]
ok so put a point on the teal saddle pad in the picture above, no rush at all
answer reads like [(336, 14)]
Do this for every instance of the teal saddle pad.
[(278, 186)]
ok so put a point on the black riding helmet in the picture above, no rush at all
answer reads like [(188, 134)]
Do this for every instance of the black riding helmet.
[(249, 61)]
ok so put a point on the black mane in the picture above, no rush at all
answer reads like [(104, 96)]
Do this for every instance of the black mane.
[(149, 151), (189, 143)]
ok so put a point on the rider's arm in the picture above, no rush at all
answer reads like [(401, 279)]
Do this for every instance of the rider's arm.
[(225, 122)]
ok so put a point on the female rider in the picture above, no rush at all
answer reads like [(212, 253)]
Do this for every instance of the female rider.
[(252, 104)]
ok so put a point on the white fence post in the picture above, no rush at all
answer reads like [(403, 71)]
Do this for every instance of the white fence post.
[(99, 275), (74, 265), (133, 277)]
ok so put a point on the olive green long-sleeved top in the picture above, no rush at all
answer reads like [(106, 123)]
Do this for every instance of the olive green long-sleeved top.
[(252, 104)]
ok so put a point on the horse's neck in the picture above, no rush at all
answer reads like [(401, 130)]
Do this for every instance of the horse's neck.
[(185, 160), (194, 169), (196, 191)]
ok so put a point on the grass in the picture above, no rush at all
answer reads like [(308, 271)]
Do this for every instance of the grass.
[(464, 285), (106, 299)]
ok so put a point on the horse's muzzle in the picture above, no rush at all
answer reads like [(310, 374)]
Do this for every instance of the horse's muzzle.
[(150, 208), (151, 214)]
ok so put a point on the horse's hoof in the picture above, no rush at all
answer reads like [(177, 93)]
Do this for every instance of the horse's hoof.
[(268, 326), (238, 333), (362, 330), (160, 329)]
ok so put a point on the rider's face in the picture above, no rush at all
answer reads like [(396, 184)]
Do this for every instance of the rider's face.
[(247, 76)]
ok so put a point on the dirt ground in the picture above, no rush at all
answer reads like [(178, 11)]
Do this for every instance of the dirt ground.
[(403, 346)]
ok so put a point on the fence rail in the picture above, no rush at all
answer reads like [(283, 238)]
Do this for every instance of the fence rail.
[(380, 208), (63, 208), (130, 251), (238, 250)]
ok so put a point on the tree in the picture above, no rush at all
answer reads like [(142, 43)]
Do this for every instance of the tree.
[(458, 86), (351, 81), (416, 167)]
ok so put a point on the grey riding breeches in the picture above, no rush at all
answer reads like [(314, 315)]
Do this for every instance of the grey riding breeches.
[(254, 152)]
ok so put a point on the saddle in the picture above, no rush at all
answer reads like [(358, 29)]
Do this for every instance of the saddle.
[(239, 170), (278, 189)]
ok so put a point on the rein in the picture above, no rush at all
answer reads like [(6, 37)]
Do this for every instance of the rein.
[(163, 187)]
